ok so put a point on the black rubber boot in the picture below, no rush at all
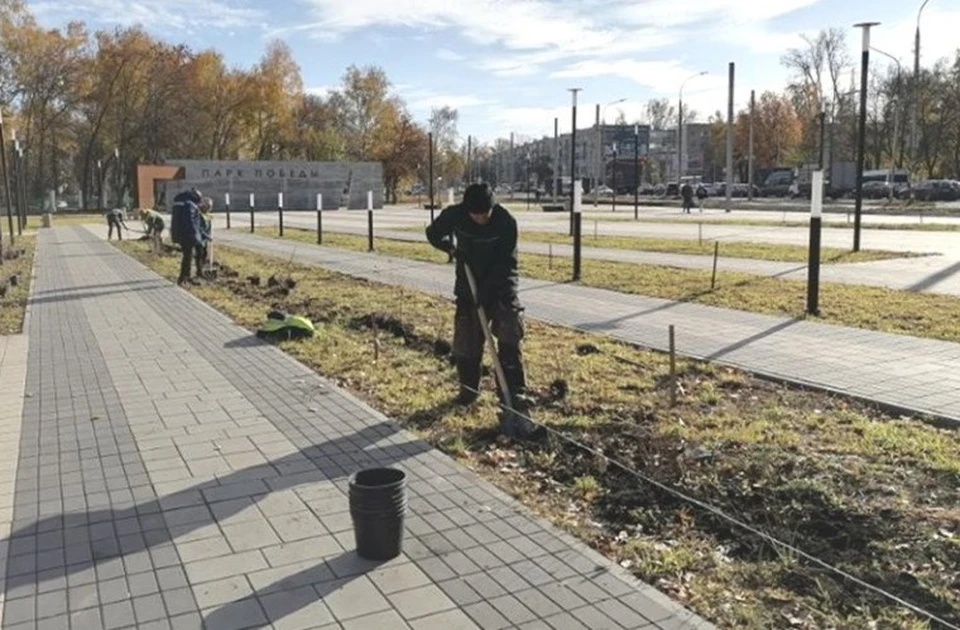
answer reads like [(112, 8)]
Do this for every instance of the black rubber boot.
[(468, 374), (514, 421)]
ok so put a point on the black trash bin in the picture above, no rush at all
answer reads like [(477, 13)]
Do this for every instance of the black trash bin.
[(378, 502)]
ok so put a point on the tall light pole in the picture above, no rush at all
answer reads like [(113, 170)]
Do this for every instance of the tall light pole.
[(680, 127), (116, 159), (914, 131), (636, 171), (753, 112), (731, 72), (896, 112), (556, 157), (601, 157), (6, 179), (862, 127), (574, 210)]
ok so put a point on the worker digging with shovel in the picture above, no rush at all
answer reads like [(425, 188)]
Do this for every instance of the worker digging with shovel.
[(482, 235)]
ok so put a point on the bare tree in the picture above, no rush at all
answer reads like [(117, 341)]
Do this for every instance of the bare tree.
[(818, 69)]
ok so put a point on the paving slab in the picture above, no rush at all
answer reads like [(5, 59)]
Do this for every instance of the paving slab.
[(912, 374), (174, 471), (933, 272)]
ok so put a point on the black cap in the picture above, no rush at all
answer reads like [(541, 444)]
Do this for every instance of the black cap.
[(478, 198)]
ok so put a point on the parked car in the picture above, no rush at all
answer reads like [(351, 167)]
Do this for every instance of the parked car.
[(672, 190), (738, 190), (648, 189), (778, 184), (937, 190), (604, 191), (877, 190)]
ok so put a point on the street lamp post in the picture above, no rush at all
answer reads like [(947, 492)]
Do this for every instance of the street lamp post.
[(680, 127), (100, 186), (6, 179), (574, 209), (430, 167), (116, 159), (556, 157), (21, 187), (614, 187), (528, 180), (896, 115), (914, 131), (862, 128), (636, 171)]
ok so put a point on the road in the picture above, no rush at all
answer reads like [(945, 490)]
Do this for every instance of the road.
[(919, 241)]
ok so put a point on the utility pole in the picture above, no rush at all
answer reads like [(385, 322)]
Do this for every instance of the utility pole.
[(823, 132), (599, 165), (430, 168), (914, 131), (556, 157), (636, 171), (116, 159), (575, 214), (100, 186), (21, 176), (753, 110), (512, 173), (469, 175), (6, 178), (862, 128), (614, 177), (730, 139)]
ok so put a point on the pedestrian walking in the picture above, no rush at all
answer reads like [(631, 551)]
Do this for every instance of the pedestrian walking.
[(686, 191), (701, 196)]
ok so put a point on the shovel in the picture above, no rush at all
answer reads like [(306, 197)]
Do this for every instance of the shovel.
[(512, 423)]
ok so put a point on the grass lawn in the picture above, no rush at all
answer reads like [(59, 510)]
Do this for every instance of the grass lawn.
[(730, 249), (877, 496), (62, 219), (13, 299), (874, 308)]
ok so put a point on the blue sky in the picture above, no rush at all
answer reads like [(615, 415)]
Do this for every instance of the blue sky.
[(506, 64)]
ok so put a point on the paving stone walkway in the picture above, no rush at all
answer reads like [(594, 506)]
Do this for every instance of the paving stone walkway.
[(909, 373), (174, 472), (933, 273)]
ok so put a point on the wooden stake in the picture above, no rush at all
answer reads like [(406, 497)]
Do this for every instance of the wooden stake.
[(673, 368), (716, 253)]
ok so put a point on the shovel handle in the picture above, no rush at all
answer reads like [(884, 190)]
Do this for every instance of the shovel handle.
[(488, 336)]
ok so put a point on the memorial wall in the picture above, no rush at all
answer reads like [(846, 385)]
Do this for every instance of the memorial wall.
[(342, 184)]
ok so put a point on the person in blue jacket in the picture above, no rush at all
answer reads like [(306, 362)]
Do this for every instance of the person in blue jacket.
[(186, 230)]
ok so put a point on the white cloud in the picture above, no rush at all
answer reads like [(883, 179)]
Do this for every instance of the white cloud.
[(663, 77), (320, 90), (671, 13), (422, 100), (168, 15), (938, 36), (525, 33), (448, 55)]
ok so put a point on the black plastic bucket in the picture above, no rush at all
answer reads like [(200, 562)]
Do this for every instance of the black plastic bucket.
[(378, 502)]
